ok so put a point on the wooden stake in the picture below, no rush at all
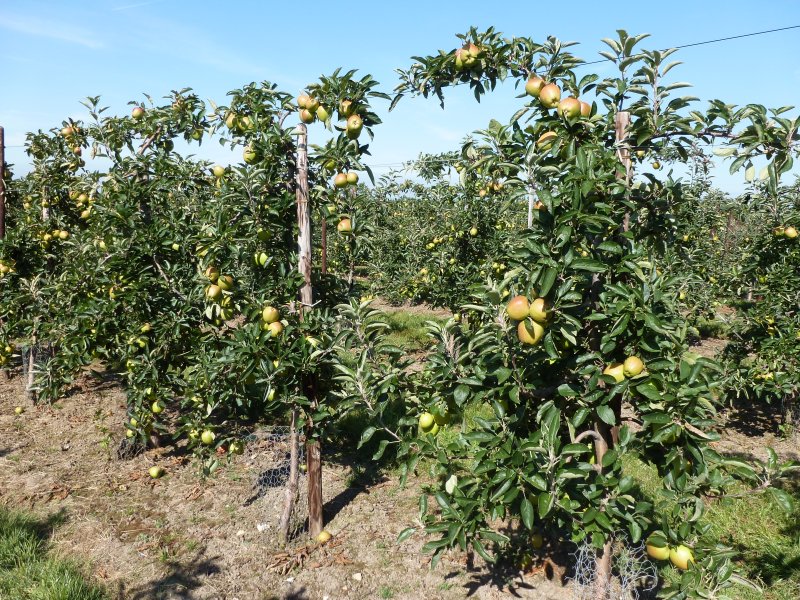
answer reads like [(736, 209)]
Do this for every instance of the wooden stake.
[(2, 184), (290, 493), (610, 435), (324, 235), (313, 450)]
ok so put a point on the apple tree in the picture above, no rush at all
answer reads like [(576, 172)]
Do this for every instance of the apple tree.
[(578, 365)]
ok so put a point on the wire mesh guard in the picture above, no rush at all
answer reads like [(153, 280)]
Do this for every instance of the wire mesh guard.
[(268, 456), (633, 573)]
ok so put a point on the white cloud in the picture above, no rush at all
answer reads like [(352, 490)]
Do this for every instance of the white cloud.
[(49, 29)]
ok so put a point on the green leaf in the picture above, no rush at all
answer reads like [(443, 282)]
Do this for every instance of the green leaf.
[(405, 534), (589, 264), (545, 504), (461, 394), (783, 499), (547, 280), (649, 391), (366, 436), (606, 414), (526, 512)]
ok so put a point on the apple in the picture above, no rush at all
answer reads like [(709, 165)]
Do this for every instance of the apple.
[(550, 95), (352, 178), (340, 180), (569, 108), (586, 109), (137, 112), (62, 235), (212, 273), (306, 116), (225, 282), (302, 100), (218, 171), (473, 232), (208, 437), (354, 125), (534, 85), (345, 226), (681, 556), (176, 247), (213, 292), (426, 421), (546, 140), (632, 366), (275, 329), (346, 108), (68, 131), (231, 120), (303, 467), (657, 551), (270, 314), (517, 308), (260, 258), (156, 472), (616, 370), (197, 135), (537, 541), (324, 536), (539, 310), (790, 232), (656, 165), (157, 408), (443, 419), (322, 113), (530, 332), (250, 155)]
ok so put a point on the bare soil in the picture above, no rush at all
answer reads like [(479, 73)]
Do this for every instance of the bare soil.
[(185, 537), (191, 538)]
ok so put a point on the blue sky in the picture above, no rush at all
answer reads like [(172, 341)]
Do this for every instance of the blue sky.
[(57, 53)]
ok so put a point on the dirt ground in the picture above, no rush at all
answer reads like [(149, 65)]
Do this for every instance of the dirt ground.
[(183, 537), (189, 538)]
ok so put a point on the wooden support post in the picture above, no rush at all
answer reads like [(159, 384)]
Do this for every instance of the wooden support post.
[(313, 449), (324, 236), (290, 493), (610, 435), (2, 184)]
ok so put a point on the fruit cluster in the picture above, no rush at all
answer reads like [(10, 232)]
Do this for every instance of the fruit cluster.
[(532, 316)]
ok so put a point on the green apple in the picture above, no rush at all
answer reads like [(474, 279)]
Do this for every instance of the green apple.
[(534, 85), (354, 126), (656, 550), (539, 310), (208, 437), (530, 332), (632, 366), (550, 95), (270, 314), (426, 421), (681, 556), (275, 329), (616, 370), (517, 308)]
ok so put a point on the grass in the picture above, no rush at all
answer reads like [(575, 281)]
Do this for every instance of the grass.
[(28, 571), (408, 329), (766, 539)]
